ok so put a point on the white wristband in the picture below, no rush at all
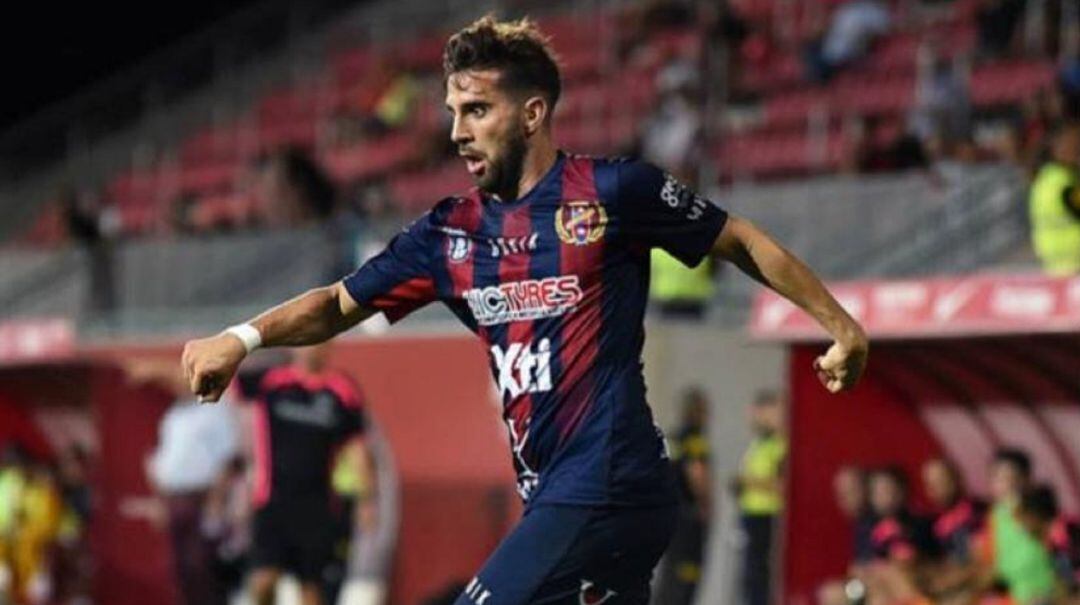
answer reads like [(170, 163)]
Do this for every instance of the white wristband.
[(248, 334)]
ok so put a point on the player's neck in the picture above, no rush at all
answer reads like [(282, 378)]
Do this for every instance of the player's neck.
[(539, 158)]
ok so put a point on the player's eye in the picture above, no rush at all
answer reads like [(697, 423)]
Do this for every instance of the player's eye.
[(478, 111)]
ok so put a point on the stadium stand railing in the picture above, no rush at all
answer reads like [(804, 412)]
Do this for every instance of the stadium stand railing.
[(907, 225)]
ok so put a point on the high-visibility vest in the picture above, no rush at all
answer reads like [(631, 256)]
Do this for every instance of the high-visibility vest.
[(673, 281), (763, 460), (1055, 231)]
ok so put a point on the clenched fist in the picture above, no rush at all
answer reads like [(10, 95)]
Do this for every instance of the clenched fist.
[(210, 363), (841, 366)]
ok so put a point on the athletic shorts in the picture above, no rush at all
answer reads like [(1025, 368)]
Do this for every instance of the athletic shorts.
[(295, 537), (575, 556)]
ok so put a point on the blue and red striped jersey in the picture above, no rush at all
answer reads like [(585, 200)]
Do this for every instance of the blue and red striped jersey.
[(555, 283)]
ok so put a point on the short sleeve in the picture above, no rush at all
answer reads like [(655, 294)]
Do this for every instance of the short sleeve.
[(657, 211), (398, 280)]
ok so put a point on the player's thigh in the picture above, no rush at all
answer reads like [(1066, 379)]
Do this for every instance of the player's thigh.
[(571, 555), (269, 547), (527, 556), (613, 560)]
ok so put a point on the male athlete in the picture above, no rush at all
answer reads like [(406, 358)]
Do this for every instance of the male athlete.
[(547, 261)]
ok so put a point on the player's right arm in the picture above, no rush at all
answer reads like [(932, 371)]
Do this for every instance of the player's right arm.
[(313, 317)]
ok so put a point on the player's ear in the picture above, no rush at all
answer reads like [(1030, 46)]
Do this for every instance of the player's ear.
[(536, 113)]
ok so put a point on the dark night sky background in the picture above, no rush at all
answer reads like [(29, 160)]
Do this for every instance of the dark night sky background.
[(53, 50)]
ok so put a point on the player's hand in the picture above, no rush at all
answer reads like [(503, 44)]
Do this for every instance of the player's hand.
[(842, 365), (210, 363)]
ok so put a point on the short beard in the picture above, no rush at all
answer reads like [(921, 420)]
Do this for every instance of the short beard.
[(504, 173)]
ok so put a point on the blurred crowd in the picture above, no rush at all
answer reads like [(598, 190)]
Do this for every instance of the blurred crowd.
[(45, 506), (1016, 548), (235, 491)]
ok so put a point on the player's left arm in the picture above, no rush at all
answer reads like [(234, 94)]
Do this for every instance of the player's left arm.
[(758, 255)]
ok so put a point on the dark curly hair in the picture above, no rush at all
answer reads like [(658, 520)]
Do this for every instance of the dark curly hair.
[(517, 49)]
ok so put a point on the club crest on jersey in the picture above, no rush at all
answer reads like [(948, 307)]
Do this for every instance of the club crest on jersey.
[(591, 594), (580, 222), (458, 248)]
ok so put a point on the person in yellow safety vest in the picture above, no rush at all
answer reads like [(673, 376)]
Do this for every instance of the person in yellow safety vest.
[(759, 488), (1054, 204), (680, 291)]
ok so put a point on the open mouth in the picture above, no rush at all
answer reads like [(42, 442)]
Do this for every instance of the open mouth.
[(475, 164)]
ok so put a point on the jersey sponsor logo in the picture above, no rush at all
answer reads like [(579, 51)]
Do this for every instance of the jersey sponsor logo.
[(591, 594), (523, 367), (580, 222), (458, 248), (680, 197), (524, 300), (505, 246), (319, 412)]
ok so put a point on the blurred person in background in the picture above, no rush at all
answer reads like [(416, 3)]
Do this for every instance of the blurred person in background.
[(942, 116), (760, 490), (294, 189), (305, 411), (226, 522), (854, 27), (956, 521), (1040, 516), (93, 225), (900, 541), (195, 445), (850, 493), (1054, 204), (997, 21), (956, 518), (672, 138), (370, 541), (1018, 561), (39, 518), (681, 571)]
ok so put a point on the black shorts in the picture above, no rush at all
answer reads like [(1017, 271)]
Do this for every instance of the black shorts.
[(562, 555), (295, 536)]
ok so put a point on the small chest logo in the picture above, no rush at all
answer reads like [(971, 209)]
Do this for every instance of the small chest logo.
[(458, 248), (580, 222)]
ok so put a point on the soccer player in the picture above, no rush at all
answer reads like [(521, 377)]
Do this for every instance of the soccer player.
[(304, 412), (546, 259)]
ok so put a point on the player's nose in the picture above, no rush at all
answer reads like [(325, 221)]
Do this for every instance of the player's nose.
[(459, 134)]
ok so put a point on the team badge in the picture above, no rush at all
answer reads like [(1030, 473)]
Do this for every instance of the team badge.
[(580, 222), (591, 594), (458, 248)]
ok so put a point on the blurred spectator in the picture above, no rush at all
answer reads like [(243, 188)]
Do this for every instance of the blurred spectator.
[(304, 412), (681, 571), (956, 517), (195, 444), (294, 190), (1019, 560), (850, 491), (942, 111), (872, 149), (92, 225), (854, 27), (362, 466), (1054, 204), (997, 21), (760, 488), (1069, 81), (672, 133), (1039, 514), (898, 535), (226, 522)]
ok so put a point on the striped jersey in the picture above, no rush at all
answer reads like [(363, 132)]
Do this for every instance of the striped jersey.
[(555, 283)]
